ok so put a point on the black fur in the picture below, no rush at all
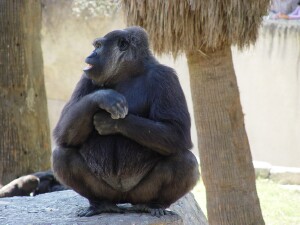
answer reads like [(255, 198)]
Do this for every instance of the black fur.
[(124, 136)]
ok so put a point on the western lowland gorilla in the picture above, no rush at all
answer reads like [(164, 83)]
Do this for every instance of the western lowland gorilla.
[(124, 136)]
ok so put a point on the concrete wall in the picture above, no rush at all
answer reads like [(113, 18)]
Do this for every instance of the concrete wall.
[(268, 93), (269, 81)]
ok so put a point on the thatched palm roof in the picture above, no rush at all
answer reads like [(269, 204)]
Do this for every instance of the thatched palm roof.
[(176, 26)]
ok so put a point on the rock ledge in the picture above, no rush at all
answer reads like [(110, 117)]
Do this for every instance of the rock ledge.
[(61, 207)]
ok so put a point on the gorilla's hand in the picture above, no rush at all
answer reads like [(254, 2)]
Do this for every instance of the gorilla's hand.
[(112, 102), (104, 124)]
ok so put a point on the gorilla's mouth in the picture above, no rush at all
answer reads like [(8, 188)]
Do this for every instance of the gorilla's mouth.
[(88, 67)]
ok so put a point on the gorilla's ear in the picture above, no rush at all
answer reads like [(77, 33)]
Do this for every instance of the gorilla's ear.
[(123, 44)]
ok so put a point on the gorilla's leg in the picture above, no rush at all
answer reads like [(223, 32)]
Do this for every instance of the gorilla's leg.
[(71, 170), (173, 177)]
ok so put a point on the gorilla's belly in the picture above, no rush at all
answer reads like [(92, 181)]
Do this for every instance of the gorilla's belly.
[(119, 161)]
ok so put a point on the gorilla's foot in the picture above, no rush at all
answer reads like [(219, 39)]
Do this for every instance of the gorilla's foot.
[(98, 207), (154, 210)]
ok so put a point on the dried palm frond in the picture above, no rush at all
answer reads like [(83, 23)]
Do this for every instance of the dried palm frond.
[(175, 26)]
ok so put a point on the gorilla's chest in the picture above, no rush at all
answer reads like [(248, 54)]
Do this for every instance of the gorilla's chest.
[(137, 96)]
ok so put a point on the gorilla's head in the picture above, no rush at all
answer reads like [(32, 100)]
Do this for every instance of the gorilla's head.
[(117, 55)]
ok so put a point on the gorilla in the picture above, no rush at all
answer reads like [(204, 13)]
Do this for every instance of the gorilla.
[(124, 136)]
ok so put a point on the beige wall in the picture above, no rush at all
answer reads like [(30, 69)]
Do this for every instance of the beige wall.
[(269, 81), (66, 41), (269, 93)]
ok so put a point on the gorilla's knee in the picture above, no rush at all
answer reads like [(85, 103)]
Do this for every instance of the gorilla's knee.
[(191, 168), (179, 174), (61, 160)]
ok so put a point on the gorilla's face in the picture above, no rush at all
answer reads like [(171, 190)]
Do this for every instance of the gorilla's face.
[(108, 57)]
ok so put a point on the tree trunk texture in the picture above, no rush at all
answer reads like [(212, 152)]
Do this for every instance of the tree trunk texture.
[(24, 137), (225, 157)]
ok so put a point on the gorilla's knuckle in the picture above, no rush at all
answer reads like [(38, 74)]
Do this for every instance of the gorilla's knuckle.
[(115, 117), (108, 108)]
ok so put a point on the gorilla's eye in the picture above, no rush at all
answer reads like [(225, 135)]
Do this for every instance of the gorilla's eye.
[(123, 44), (97, 43)]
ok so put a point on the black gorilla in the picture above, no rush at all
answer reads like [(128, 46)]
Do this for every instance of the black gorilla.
[(124, 136)]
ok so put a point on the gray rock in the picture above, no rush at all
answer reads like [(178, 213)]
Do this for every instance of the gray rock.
[(285, 175), (61, 207)]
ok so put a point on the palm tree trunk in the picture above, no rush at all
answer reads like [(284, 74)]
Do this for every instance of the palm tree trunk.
[(25, 134), (225, 156)]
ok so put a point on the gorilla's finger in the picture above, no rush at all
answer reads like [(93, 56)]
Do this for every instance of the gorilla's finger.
[(115, 116), (122, 111), (114, 112), (120, 107)]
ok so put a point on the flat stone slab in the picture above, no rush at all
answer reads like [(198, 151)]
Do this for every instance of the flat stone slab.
[(61, 208), (285, 175), (262, 169), (278, 174)]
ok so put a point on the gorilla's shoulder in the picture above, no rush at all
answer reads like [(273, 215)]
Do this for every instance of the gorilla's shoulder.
[(162, 73)]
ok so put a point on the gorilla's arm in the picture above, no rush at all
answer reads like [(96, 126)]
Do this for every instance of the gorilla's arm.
[(166, 130), (76, 121), (163, 137)]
